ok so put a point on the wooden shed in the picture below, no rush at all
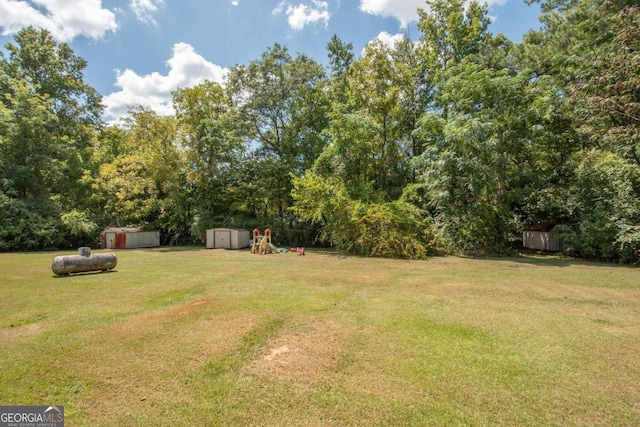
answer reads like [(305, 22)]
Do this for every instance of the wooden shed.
[(227, 238), (129, 238), (542, 237)]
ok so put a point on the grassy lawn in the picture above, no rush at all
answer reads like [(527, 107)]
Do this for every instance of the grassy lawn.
[(193, 337)]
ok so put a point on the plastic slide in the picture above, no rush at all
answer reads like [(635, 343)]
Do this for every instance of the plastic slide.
[(276, 249)]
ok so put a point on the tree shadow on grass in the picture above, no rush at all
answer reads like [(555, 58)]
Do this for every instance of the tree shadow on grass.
[(541, 259), (553, 260)]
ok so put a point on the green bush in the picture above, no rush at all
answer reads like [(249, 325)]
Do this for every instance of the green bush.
[(391, 230), (78, 230), (27, 225), (606, 207)]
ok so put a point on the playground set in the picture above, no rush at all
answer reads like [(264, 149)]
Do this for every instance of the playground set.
[(261, 244)]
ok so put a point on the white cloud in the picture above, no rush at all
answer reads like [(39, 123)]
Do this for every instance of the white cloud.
[(386, 39), (302, 15), (64, 19), (405, 11), (186, 69), (144, 9), (235, 2), (390, 39)]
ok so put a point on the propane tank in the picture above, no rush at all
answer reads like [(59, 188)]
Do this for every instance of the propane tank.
[(83, 262)]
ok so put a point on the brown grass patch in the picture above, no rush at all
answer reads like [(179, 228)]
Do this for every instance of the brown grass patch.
[(305, 354), (8, 335), (151, 357)]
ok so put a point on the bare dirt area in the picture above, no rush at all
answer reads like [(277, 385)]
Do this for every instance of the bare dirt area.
[(305, 353)]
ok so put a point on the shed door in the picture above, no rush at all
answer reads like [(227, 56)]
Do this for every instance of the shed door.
[(222, 239), (110, 240), (121, 241)]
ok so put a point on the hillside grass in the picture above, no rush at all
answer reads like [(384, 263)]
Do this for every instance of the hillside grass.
[(188, 336)]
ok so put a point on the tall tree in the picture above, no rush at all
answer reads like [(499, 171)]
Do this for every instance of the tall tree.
[(340, 55), (213, 153), (49, 126), (353, 190), (48, 76), (487, 134), (451, 32), (143, 185), (281, 112), (370, 131)]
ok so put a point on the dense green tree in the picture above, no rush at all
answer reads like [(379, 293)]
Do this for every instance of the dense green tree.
[(213, 153), (353, 189), (41, 71), (475, 135), (603, 199), (590, 48), (370, 132), (340, 56), (376, 94), (451, 32), (605, 76), (451, 143), (33, 159), (281, 108), (143, 184), (411, 78), (497, 140), (382, 229), (48, 125)]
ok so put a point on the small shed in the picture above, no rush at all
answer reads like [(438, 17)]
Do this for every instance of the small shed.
[(227, 238), (129, 238), (542, 237)]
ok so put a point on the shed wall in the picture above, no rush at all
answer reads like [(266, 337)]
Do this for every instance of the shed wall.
[(542, 240), (209, 242), (240, 239), (142, 239)]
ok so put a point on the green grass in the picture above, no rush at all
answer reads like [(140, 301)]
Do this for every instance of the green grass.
[(199, 337)]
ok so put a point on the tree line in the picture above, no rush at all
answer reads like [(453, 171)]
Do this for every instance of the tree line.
[(448, 144)]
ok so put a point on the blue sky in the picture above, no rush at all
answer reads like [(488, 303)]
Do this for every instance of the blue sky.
[(138, 51)]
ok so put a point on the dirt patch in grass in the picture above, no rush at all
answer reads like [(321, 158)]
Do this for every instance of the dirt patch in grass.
[(10, 334), (307, 351)]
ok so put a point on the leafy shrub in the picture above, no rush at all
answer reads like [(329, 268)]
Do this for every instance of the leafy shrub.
[(27, 225), (606, 206), (389, 230), (78, 229), (394, 229)]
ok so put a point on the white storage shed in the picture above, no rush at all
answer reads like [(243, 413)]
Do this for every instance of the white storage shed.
[(228, 238), (542, 237), (129, 238)]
